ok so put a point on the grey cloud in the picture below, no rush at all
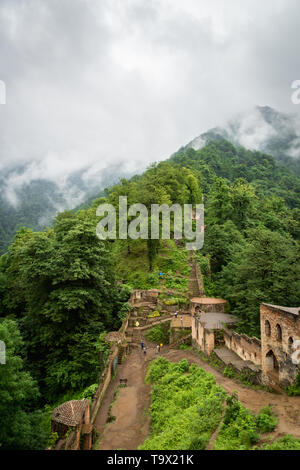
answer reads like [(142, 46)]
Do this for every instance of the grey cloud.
[(125, 82)]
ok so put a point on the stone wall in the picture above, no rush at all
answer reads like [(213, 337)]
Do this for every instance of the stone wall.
[(202, 338), (280, 331), (108, 371), (207, 306), (81, 435), (139, 295), (248, 349)]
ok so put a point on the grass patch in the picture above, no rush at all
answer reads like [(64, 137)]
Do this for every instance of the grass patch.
[(133, 269)]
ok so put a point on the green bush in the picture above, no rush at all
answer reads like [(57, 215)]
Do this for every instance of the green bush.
[(158, 334), (229, 372), (153, 314), (199, 442), (247, 377), (90, 391), (185, 347), (283, 443), (266, 421), (239, 428), (294, 389)]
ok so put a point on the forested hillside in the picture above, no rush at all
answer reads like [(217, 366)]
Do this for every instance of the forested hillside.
[(264, 129), (33, 201), (252, 219), (58, 291)]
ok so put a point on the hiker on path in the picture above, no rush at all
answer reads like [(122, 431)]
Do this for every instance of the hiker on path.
[(158, 348), (181, 321), (142, 345), (175, 314), (161, 345), (144, 351)]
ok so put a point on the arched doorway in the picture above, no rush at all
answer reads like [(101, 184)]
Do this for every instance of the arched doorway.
[(272, 366)]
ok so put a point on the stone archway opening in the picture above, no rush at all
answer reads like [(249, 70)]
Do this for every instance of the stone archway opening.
[(272, 366)]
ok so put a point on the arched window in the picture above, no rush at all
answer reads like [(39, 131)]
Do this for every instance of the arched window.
[(267, 328), (278, 333), (290, 343)]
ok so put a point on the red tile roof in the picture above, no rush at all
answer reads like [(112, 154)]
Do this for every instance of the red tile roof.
[(70, 413)]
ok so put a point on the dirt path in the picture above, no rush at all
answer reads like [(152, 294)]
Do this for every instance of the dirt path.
[(132, 424)]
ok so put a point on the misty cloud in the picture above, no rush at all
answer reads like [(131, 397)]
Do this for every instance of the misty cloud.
[(121, 83)]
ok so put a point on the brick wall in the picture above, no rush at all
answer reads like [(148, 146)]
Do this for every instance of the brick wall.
[(202, 338), (248, 349)]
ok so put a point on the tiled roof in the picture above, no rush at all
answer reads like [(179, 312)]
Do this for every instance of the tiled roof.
[(70, 413), (215, 320), (207, 301), (292, 310)]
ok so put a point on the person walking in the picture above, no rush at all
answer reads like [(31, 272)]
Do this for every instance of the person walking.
[(181, 321), (142, 345), (144, 350), (158, 348), (175, 314)]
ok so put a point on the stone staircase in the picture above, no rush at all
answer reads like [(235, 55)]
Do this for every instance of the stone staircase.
[(134, 335), (193, 285)]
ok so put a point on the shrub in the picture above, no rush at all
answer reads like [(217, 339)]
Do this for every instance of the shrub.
[(153, 314), (283, 443), (247, 377), (89, 392), (185, 347), (294, 389), (266, 421), (239, 428), (229, 372), (158, 334), (199, 442)]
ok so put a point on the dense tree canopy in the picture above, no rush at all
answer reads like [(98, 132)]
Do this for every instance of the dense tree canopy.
[(60, 285), (20, 423)]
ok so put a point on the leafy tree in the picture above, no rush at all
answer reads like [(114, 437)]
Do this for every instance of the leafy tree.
[(61, 286), (265, 268), (20, 424)]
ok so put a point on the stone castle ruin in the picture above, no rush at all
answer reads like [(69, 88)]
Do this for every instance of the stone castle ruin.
[(274, 359)]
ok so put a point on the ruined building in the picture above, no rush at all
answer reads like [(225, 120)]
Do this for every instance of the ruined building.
[(280, 344), (274, 360)]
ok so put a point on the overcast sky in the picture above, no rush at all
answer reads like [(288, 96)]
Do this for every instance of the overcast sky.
[(131, 81)]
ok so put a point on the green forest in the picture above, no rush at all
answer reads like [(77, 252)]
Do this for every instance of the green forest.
[(62, 289)]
